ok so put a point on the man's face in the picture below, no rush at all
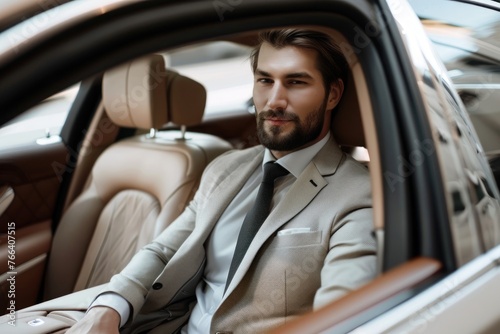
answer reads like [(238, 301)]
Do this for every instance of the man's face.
[(292, 108)]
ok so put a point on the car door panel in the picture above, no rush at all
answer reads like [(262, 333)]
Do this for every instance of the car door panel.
[(6, 197), (33, 173), (464, 302), (21, 275)]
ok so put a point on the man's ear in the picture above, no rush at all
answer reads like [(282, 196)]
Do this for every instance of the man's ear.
[(335, 94)]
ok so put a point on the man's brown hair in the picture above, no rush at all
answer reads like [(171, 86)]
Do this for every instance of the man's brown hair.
[(330, 61)]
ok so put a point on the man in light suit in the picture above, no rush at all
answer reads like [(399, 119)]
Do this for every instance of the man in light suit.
[(316, 244)]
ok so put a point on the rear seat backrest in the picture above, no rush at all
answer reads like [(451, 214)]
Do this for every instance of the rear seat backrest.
[(139, 185), (347, 125)]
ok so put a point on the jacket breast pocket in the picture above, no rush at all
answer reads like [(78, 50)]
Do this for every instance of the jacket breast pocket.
[(299, 239), (289, 269)]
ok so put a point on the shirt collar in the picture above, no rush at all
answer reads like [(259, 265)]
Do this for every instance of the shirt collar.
[(297, 161)]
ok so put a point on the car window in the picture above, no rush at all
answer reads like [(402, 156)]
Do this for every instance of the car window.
[(41, 124), (467, 38), (222, 67)]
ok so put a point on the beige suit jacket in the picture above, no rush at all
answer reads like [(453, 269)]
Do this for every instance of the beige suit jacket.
[(280, 276)]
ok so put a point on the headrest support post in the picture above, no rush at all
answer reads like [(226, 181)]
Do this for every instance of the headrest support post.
[(152, 133), (183, 132)]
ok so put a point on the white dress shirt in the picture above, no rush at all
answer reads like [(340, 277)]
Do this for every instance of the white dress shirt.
[(221, 244)]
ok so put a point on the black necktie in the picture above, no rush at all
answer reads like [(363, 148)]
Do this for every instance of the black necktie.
[(257, 214)]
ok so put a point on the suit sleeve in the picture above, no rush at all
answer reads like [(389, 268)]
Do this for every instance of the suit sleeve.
[(351, 259)]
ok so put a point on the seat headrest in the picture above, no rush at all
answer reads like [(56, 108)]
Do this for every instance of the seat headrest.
[(143, 94), (347, 125), (186, 99)]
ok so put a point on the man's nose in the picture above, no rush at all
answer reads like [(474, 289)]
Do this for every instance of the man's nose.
[(277, 98)]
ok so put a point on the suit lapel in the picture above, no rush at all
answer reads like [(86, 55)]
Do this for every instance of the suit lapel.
[(301, 193), (228, 187)]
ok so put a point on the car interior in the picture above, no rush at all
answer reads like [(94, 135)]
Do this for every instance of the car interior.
[(138, 185), (167, 165), (127, 186)]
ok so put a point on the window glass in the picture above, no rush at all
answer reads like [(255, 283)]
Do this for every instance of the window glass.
[(44, 120), (467, 39), (477, 80), (223, 68), (481, 22)]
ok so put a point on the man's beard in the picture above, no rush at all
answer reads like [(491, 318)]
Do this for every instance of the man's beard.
[(300, 135)]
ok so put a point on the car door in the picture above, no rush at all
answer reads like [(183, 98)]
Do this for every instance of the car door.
[(39, 152), (30, 169)]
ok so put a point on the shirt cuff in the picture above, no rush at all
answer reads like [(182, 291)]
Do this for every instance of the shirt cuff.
[(116, 302)]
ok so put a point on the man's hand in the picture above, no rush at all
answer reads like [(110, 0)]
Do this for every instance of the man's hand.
[(99, 319)]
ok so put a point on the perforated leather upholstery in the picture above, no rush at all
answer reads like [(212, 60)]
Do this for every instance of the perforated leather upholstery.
[(138, 185)]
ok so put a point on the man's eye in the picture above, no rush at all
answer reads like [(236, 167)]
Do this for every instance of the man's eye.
[(296, 82), (264, 80)]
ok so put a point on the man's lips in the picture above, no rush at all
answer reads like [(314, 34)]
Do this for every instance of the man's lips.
[(277, 120)]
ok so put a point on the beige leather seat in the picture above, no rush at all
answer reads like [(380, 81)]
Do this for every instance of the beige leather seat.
[(347, 123), (138, 185)]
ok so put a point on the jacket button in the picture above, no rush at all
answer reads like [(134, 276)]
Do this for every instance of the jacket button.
[(157, 286)]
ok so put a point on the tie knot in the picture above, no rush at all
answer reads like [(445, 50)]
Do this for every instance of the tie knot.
[(272, 171)]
